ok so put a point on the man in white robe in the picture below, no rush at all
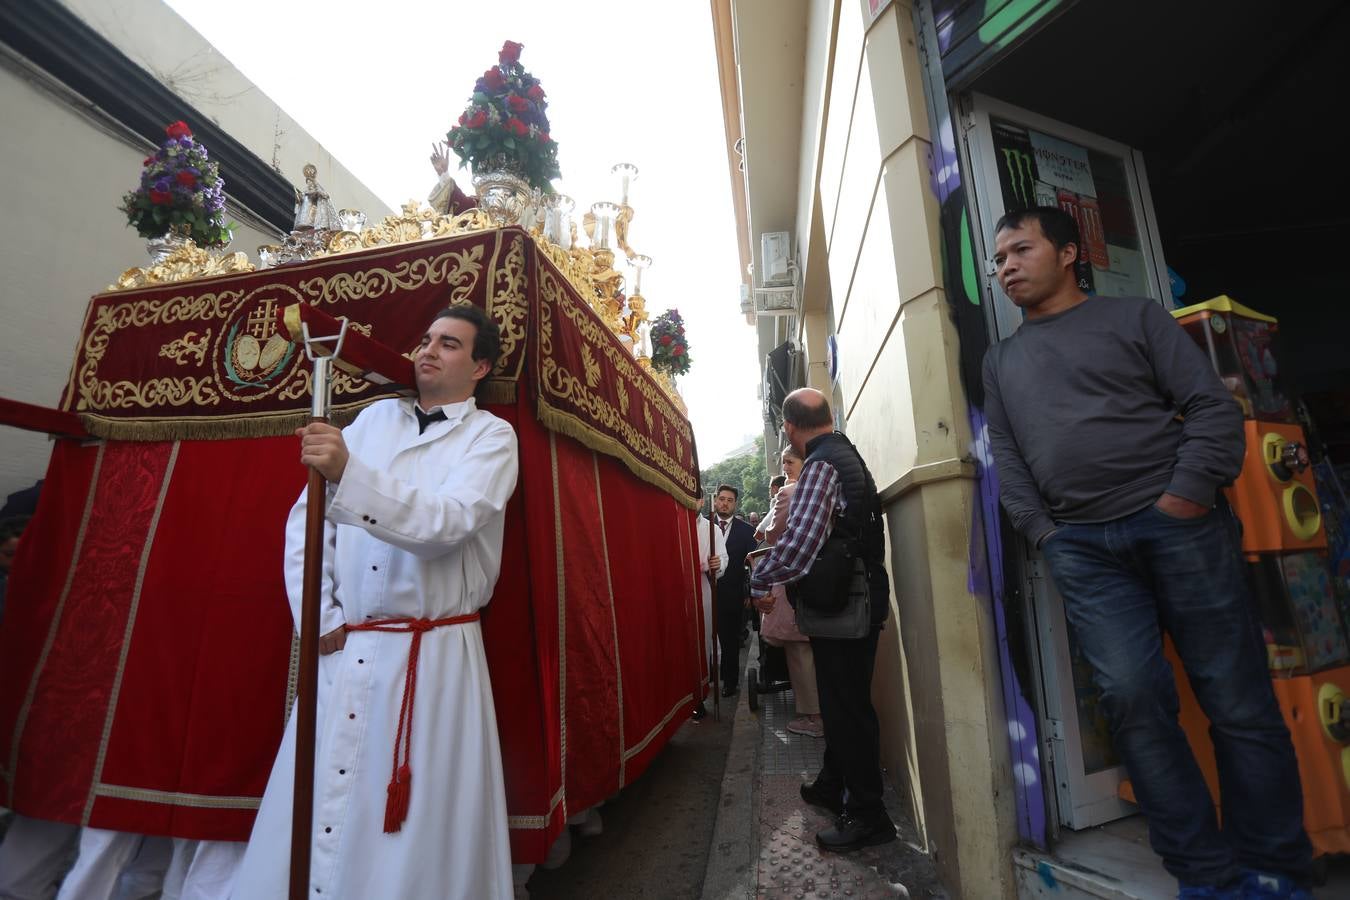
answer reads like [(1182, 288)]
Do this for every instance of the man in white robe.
[(416, 507), (713, 558)]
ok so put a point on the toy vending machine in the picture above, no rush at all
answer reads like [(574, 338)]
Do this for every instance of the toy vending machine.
[(1285, 546)]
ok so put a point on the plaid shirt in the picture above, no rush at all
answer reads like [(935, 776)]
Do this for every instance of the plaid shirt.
[(808, 526)]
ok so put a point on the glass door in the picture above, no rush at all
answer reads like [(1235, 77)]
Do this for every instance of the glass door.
[(1019, 159)]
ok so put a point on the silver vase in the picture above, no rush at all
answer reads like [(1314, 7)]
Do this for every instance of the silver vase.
[(502, 192), (161, 247)]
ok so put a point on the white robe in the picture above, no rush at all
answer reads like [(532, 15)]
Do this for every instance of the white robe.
[(720, 543), (414, 528)]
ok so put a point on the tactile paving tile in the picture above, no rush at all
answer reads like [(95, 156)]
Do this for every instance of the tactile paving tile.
[(782, 752)]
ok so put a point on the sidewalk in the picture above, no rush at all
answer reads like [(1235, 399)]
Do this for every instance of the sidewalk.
[(764, 845)]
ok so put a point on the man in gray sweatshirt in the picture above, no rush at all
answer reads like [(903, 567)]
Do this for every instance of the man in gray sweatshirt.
[(1112, 435)]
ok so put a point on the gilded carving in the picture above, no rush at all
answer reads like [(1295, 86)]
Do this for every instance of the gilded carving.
[(183, 264)]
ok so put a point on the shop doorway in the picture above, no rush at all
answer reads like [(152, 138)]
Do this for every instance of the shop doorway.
[(1019, 159), (1194, 141)]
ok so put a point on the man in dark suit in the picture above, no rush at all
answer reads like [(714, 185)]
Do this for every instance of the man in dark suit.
[(731, 587)]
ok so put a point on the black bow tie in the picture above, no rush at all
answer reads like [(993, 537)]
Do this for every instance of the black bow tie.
[(425, 419)]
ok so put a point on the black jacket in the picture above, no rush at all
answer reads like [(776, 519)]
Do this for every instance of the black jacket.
[(731, 587), (862, 516)]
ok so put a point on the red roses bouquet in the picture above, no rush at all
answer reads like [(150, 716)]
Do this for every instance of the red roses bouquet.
[(505, 124), (670, 348), (181, 191)]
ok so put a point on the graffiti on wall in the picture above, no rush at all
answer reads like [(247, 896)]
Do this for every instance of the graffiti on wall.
[(986, 574)]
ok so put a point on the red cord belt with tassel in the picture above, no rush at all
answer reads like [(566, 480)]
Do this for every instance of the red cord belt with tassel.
[(400, 782)]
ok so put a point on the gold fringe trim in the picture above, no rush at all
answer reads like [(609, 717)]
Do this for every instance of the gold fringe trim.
[(565, 423), (221, 428)]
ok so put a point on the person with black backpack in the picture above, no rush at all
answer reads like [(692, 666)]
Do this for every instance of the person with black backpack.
[(832, 557)]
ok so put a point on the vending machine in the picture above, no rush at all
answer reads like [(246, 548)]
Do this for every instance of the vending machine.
[(1284, 544)]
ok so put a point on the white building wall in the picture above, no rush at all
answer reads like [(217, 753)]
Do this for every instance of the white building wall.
[(65, 169)]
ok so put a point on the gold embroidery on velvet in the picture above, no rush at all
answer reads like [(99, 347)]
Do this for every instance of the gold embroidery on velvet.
[(458, 268), (189, 344), (557, 381), (507, 304), (592, 367)]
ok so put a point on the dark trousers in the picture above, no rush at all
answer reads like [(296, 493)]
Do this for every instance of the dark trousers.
[(852, 765), (1124, 582), (730, 616)]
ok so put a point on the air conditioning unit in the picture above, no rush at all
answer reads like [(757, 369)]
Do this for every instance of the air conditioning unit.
[(776, 301), (775, 257), (747, 300)]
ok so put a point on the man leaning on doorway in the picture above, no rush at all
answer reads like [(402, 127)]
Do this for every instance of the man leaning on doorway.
[(1112, 436)]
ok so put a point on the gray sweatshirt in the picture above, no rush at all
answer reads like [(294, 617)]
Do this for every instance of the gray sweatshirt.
[(1083, 413)]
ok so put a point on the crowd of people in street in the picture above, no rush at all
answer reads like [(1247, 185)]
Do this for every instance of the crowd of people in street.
[(825, 491), (1140, 543)]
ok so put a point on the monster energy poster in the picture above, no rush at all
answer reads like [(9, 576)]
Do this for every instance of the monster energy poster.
[(1019, 178), (1017, 166)]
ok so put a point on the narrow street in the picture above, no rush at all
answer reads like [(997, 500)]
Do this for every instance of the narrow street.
[(718, 817), (657, 832)]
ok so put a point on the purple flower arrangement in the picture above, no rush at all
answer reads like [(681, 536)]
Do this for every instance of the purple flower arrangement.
[(505, 122), (181, 192)]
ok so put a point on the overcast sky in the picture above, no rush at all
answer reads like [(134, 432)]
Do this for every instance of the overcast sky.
[(377, 83)]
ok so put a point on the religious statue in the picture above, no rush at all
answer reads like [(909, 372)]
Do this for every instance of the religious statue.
[(637, 314), (621, 222), (313, 210), (446, 197)]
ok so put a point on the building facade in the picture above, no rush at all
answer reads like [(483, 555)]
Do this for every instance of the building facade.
[(879, 141), (87, 88)]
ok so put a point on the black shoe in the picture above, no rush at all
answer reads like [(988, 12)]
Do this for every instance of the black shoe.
[(729, 690), (699, 714), (848, 834), (832, 801)]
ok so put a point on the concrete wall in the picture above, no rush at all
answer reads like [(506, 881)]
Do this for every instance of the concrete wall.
[(63, 240), (65, 171), (936, 686), (158, 40)]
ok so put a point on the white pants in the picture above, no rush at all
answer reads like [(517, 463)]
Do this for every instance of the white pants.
[(112, 865), (117, 865), (203, 870)]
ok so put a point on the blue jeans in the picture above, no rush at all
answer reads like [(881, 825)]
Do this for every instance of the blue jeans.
[(1126, 581)]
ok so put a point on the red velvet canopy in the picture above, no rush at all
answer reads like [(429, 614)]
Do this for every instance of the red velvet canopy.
[(146, 654)]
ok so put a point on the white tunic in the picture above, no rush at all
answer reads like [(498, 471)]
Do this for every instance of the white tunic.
[(720, 548), (414, 528)]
